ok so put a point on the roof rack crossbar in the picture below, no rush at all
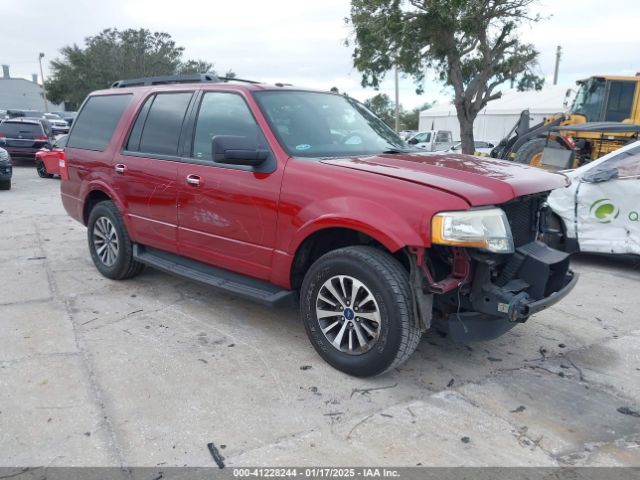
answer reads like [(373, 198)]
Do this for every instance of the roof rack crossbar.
[(167, 79)]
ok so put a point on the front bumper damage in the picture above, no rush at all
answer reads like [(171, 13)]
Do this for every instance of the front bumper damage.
[(497, 292), (501, 296)]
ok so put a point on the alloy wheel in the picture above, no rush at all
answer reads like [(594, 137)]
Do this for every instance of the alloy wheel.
[(348, 314)]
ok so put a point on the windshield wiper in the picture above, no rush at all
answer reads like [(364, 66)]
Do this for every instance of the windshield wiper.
[(397, 150)]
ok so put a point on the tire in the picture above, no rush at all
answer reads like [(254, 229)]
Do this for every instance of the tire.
[(117, 263), (42, 170), (528, 152), (5, 184), (556, 240), (387, 282)]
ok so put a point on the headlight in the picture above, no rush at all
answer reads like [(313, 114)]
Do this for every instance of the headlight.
[(486, 229)]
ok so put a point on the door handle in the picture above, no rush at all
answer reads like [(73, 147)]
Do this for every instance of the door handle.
[(193, 180), (120, 168)]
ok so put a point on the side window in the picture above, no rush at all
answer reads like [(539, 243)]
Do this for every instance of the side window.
[(61, 142), (620, 101), (443, 137), (223, 114), (96, 122), (159, 123)]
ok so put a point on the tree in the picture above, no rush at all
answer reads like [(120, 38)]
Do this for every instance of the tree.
[(112, 55), (410, 120), (472, 45), (383, 107), (530, 81)]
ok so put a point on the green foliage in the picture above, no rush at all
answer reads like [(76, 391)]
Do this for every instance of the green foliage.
[(410, 120), (530, 81), (383, 107), (471, 45), (112, 55)]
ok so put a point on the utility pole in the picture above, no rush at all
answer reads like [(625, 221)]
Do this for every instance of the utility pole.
[(555, 72), (397, 101), (44, 89)]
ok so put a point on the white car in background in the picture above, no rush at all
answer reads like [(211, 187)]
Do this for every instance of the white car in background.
[(481, 148), (600, 210), (432, 140)]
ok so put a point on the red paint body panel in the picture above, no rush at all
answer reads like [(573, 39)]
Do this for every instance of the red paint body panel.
[(480, 181), (51, 159), (253, 223)]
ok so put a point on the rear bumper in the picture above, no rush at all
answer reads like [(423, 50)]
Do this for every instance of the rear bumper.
[(533, 279), (22, 152)]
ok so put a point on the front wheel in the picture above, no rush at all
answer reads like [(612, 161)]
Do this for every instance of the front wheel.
[(531, 152), (356, 307), (5, 184)]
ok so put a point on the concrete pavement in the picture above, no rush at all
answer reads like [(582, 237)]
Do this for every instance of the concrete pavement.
[(148, 371)]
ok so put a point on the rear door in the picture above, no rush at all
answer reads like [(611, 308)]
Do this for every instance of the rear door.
[(228, 217), (145, 170)]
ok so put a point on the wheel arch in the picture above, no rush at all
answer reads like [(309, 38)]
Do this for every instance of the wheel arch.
[(329, 238)]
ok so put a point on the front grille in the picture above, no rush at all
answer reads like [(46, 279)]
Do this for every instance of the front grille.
[(522, 214)]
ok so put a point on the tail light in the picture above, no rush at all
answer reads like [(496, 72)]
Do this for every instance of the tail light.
[(62, 164), (2, 135), (41, 137)]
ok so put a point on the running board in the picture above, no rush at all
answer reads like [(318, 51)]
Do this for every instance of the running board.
[(229, 282)]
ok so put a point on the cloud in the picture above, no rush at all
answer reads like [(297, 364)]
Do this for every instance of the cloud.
[(303, 42)]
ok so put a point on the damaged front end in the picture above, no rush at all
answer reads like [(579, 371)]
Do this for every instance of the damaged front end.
[(478, 295)]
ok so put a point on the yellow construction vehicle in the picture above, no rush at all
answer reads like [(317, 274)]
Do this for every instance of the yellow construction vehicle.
[(604, 113)]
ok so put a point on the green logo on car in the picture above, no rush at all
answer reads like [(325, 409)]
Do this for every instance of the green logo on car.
[(604, 211)]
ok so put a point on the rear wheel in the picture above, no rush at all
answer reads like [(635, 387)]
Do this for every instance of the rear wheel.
[(356, 307), (42, 170), (109, 243), (531, 152), (5, 184)]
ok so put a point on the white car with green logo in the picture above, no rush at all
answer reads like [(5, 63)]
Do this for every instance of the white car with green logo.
[(600, 210)]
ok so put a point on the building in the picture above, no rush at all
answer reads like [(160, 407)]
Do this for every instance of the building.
[(497, 119), (20, 93)]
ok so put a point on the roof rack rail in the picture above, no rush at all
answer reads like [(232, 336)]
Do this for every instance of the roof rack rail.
[(236, 79), (167, 79)]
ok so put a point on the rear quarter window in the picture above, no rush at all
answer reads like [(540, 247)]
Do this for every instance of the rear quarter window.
[(96, 122)]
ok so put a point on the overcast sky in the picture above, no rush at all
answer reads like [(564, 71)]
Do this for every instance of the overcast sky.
[(302, 42)]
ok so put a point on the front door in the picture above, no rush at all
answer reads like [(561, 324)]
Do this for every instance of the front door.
[(227, 214), (145, 172)]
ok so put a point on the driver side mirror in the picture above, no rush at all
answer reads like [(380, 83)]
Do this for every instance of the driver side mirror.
[(236, 150), (413, 141)]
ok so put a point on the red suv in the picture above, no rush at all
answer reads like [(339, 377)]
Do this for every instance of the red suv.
[(276, 193)]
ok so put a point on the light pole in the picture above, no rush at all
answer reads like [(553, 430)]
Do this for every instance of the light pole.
[(44, 89)]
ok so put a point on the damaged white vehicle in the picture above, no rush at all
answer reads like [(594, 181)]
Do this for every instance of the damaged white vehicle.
[(600, 210)]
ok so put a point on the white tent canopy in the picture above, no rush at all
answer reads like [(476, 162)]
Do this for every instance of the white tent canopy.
[(499, 116)]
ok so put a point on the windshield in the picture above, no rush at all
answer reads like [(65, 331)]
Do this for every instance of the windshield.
[(310, 124), (589, 99)]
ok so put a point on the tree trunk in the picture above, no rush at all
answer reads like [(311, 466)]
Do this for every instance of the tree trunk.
[(466, 135)]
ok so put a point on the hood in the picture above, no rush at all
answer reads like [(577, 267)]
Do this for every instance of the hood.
[(479, 181)]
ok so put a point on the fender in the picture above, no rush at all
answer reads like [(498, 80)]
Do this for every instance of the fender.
[(98, 184), (358, 214)]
